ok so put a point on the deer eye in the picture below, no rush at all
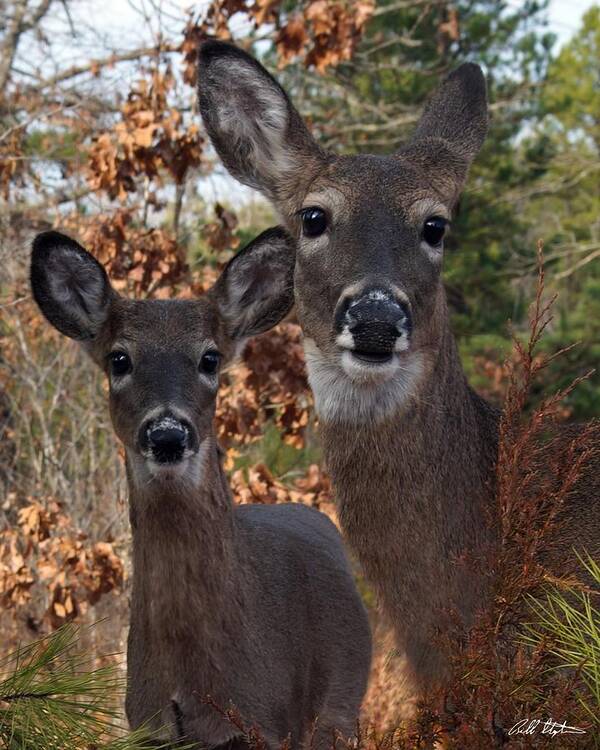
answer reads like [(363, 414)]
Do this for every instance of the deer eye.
[(314, 221), (434, 230), (120, 363), (210, 362)]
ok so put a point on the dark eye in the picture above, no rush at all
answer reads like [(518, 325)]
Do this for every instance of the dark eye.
[(210, 362), (434, 230), (314, 221), (120, 364)]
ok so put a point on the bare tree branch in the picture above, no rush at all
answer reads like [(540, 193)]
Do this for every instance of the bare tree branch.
[(9, 45), (583, 262), (404, 4), (16, 28), (92, 65)]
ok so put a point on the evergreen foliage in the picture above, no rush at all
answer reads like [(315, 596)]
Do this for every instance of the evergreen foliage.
[(567, 624), (51, 699)]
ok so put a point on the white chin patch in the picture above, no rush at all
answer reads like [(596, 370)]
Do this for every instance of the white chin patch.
[(361, 372), (351, 391), (172, 471), (401, 344), (345, 339), (188, 471)]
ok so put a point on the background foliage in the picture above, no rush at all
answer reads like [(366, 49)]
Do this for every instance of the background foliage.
[(100, 136)]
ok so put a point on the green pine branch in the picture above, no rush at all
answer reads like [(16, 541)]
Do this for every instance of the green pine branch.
[(50, 699), (568, 625)]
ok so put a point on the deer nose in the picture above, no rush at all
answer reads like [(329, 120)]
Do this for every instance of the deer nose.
[(165, 439), (373, 325)]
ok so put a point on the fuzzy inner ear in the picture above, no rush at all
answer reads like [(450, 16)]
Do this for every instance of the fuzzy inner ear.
[(69, 285), (256, 289), (260, 137)]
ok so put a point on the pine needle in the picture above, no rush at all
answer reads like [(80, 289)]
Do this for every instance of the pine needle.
[(50, 699), (568, 625)]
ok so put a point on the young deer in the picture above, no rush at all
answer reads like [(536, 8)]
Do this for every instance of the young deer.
[(410, 447), (252, 605)]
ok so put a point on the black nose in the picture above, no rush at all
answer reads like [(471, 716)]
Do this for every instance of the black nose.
[(372, 323), (166, 439)]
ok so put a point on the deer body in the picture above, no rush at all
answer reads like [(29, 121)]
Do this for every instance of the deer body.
[(410, 447), (252, 608), (244, 605), (426, 498)]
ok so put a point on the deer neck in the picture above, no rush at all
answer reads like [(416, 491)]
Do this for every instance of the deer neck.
[(414, 489), (184, 555)]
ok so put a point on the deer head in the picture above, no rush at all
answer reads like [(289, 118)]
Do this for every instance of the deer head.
[(369, 229), (162, 357)]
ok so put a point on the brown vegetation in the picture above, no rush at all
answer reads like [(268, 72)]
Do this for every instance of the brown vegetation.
[(64, 535)]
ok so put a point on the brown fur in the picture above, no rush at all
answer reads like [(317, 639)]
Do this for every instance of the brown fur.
[(254, 606), (412, 454)]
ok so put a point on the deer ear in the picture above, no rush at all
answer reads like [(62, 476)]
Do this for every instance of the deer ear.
[(69, 285), (256, 289), (457, 112), (452, 129), (260, 137)]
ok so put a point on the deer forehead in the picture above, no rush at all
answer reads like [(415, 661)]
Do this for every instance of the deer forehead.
[(350, 187), (164, 324)]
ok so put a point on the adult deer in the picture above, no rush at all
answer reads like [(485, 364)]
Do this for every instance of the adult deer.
[(410, 447), (253, 605)]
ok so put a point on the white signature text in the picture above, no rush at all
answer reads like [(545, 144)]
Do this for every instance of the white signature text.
[(547, 726)]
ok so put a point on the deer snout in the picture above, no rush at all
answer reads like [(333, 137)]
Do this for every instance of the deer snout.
[(373, 325), (166, 439)]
